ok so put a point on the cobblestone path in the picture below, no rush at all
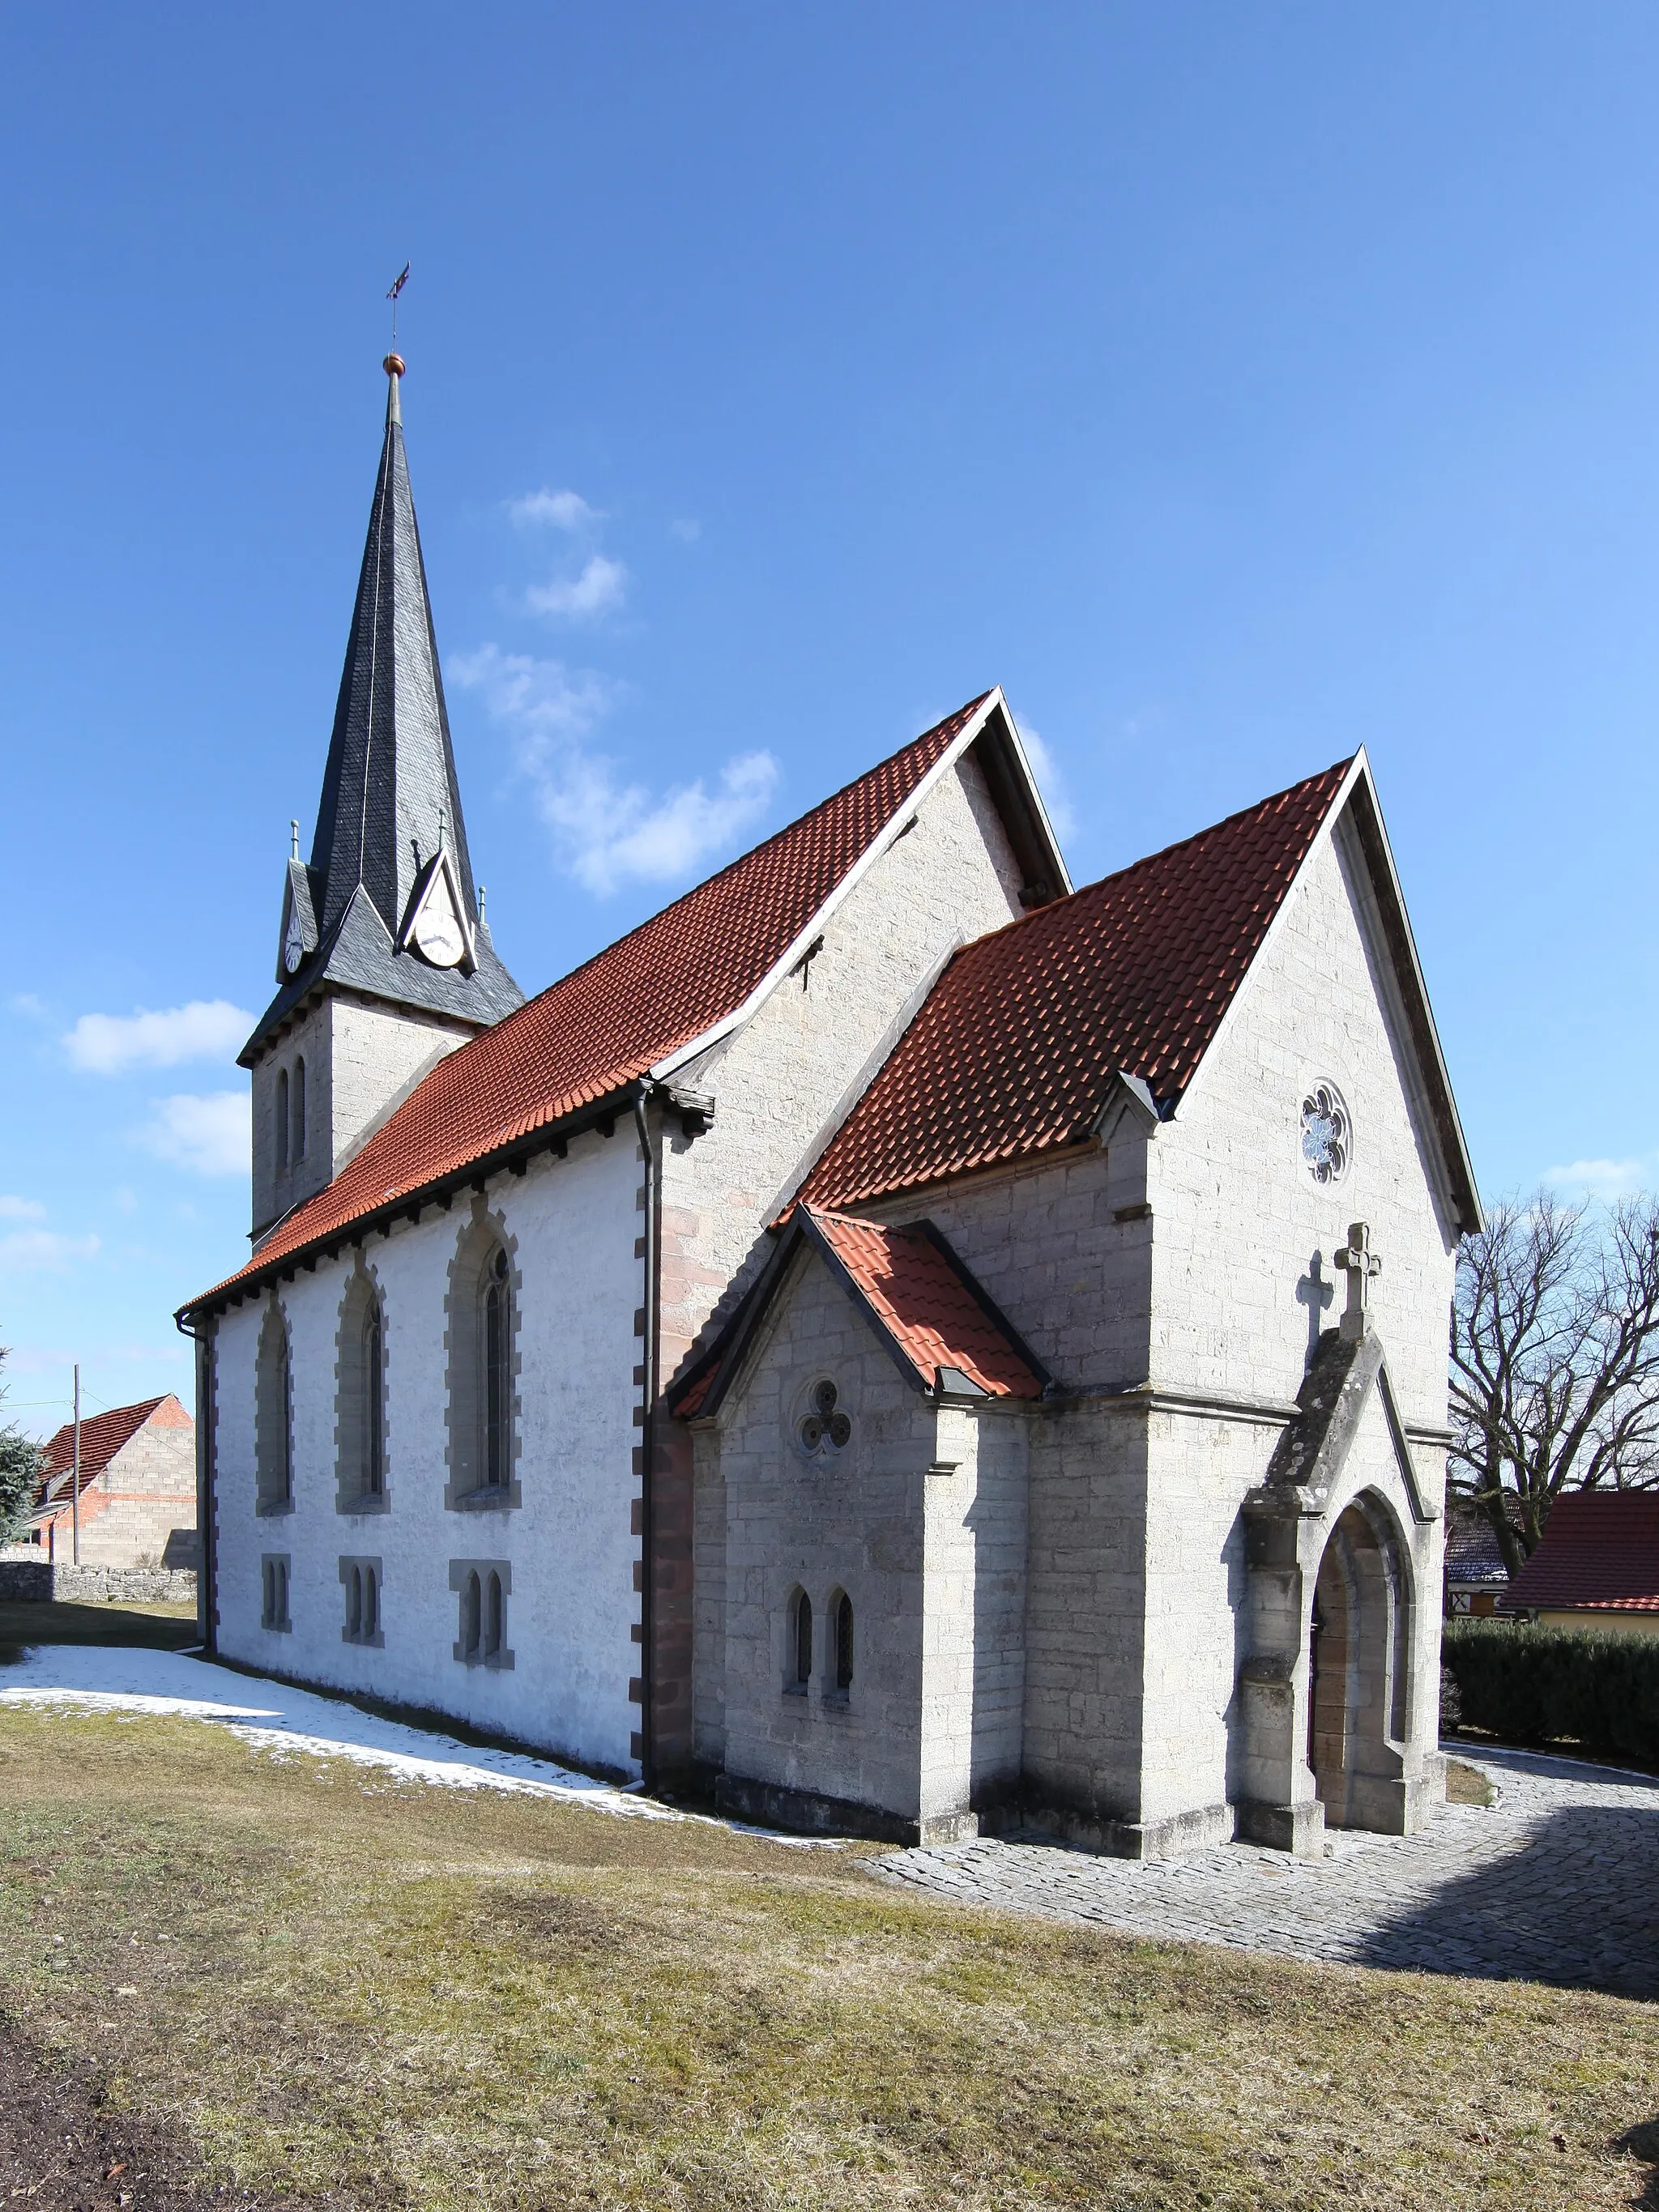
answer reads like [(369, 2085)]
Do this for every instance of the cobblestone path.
[(1557, 1883)]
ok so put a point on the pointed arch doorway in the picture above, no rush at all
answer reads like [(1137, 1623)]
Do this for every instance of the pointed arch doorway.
[(1358, 1646)]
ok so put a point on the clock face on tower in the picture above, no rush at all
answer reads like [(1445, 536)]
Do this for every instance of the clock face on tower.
[(438, 934), (294, 944)]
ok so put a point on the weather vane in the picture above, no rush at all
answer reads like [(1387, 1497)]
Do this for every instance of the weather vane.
[(402, 279)]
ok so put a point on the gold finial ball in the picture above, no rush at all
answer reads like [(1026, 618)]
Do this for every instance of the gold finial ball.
[(393, 364)]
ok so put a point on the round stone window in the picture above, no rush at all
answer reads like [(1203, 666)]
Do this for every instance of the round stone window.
[(1327, 1134), (823, 1431)]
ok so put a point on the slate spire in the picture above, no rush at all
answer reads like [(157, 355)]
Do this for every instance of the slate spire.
[(386, 904)]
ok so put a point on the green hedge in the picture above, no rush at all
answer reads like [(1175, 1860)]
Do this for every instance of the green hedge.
[(1536, 1684)]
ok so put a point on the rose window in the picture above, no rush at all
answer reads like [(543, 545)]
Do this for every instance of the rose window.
[(824, 1429), (1327, 1134)]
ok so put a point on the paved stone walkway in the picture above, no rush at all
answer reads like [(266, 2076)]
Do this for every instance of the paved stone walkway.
[(1557, 1883)]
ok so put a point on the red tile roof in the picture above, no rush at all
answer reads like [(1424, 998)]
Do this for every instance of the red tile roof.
[(929, 1304), (609, 1021), (1600, 1551), (1013, 1051), (914, 1289), (102, 1436)]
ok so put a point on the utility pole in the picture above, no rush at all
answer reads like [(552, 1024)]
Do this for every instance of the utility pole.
[(75, 1494)]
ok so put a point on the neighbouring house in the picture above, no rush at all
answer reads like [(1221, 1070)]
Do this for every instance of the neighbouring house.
[(1477, 1578), (137, 1489), (1596, 1564), (896, 1339)]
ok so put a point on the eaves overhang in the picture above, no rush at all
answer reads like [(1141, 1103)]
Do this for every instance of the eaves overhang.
[(512, 1158)]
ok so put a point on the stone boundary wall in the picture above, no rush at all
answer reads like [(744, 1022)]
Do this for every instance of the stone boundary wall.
[(37, 1582)]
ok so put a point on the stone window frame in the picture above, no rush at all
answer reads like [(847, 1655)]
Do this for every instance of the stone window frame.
[(799, 1627), (273, 1455), (841, 1648), (363, 1289), (482, 1237), (475, 1644), (365, 1601), (276, 1577)]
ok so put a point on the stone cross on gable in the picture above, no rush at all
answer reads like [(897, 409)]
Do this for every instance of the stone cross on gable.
[(1362, 1267)]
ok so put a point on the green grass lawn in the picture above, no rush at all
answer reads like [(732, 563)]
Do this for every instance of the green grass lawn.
[(156, 1628), (372, 1993)]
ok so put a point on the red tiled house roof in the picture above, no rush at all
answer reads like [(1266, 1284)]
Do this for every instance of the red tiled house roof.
[(102, 1435), (621, 1013), (921, 1301), (1016, 1046), (1599, 1553), (929, 1304)]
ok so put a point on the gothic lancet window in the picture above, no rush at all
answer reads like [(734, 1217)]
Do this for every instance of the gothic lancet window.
[(483, 1413), (841, 1624), (299, 1146), (798, 1673), (280, 1118), (374, 1406), (497, 1375), (273, 1415), (361, 1423)]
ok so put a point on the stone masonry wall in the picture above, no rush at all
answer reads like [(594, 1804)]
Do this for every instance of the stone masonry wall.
[(855, 1524), (778, 1083), (1243, 1245), (361, 1060)]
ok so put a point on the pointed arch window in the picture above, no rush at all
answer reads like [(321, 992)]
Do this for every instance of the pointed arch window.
[(299, 1147), (273, 1416), (497, 1335), (841, 1622), (280, 1118), (360, 1409), (483, 1588), (798, 1660), (482, 1415)]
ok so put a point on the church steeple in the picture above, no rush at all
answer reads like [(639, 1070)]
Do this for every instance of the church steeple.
[(384, 918), (387, 905)]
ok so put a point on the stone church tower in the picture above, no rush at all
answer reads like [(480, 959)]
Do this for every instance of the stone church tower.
[(384, 962)]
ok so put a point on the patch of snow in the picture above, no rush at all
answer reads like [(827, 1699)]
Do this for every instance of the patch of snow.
[(269, 1717)]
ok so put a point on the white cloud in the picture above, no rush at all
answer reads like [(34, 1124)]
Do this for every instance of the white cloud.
[(599, 590), (1050, 781), (30, 1248), (609, 831), (20, 1209), (616, 830), (210, 1134), (1605, 1178), (565, 510), (207, 1028), (541, 702)]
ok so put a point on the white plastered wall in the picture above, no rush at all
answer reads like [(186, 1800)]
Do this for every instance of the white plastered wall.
[(570, 1226)]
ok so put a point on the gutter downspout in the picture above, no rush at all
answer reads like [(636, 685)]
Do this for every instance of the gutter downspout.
[(207, 1572), (648, 1425)]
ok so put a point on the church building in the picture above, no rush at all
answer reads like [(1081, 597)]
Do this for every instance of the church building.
[(896, 1342)]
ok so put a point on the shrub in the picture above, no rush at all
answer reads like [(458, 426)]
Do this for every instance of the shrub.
[(1538, 1685)]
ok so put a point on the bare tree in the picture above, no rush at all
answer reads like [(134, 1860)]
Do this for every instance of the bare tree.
[(1555, 1359)]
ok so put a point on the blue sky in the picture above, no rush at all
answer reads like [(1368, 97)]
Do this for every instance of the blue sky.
[(1235, 386)]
